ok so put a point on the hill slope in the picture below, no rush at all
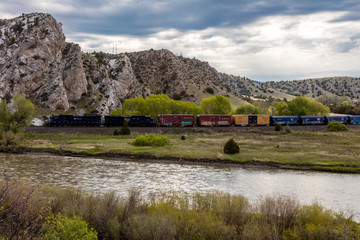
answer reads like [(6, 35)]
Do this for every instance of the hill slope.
[(315, 87)]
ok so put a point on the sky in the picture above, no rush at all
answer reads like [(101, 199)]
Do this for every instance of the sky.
[(264, 40)]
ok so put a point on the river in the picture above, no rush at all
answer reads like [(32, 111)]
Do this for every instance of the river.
[(340, 192)]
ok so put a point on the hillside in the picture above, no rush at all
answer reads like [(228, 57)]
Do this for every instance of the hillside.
[(315, 87)]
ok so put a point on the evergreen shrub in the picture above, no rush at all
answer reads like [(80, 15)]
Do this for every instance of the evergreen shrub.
[(116, 132), (278, 127), (231, 147), (125, 130)]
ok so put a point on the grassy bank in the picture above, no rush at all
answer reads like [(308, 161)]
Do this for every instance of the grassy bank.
[(25, 211), (322, 151)]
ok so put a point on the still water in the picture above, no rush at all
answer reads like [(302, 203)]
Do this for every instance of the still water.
[(335, 191)]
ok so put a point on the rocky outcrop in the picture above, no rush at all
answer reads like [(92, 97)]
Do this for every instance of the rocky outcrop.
[(31, 61)]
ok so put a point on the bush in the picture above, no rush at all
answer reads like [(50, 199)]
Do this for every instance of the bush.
[(336, 126), (183, 137), (278, 127), (231, 147), (151, 140), (62, 227), (116, 132), (209, 90), (125, 130), (287, 130)]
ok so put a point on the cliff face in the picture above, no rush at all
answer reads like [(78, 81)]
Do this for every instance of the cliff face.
[(31, 59), (37, 62)]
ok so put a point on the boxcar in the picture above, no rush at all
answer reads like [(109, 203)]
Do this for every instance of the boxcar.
[(213, 120), (133, 121), (240, 120), (259, 120), (342, 119), (311, 120), (176, 120), (354, 120), (70, 120), (284, 120)]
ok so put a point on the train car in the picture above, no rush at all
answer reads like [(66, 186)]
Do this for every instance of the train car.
[(133, 121), (70, 120), (342, 119), (176, 120), (213, 120), (354, 120), (284, 120), (259, 120), (240, 120), (311, 120)]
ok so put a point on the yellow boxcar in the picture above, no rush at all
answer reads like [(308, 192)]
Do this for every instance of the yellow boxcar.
[(263, 120), (240, 120)]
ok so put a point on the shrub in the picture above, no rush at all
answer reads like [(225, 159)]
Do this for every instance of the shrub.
[(231, 147), (116, 132), (278, 127), (125, 130), (183, 137), (287, 130), (336, 126), (62, 227), (151, 140), (209, 90)]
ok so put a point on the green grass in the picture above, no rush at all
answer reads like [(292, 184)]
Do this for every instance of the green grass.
[(329, 151)]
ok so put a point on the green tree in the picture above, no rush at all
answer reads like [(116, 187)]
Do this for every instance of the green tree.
[(135, 106), (155, 105), (300, 106), (19, 116), (116, 112), (280, 108), (215, 105), (247, 109)]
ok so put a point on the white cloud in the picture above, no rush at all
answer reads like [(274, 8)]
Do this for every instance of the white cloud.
[(273, 48)]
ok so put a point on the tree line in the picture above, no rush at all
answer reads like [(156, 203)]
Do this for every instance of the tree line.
[(162, 104)]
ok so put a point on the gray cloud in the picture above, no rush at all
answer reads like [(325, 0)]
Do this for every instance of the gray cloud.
[(141, 17), (261, 39)]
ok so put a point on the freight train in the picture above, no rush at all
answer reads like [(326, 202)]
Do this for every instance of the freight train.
[(187, 120)]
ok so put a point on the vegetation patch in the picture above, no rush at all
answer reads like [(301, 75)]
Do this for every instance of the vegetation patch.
[(336, 126), (44, 212), (151, 140)]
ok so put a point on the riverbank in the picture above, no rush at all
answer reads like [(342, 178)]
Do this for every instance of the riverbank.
[(173, 215), (300, 150)]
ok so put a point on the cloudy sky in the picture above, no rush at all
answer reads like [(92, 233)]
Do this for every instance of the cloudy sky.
[(265, 40)]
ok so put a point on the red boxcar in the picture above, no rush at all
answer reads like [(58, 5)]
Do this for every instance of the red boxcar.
[(176, 120), (213, 120)]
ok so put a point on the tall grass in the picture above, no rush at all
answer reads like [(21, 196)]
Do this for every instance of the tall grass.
[(212, 215)]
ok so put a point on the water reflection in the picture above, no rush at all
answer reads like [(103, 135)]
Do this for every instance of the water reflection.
[(336, 191)]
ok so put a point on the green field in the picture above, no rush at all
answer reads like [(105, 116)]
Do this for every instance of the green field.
[(323, 151)]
